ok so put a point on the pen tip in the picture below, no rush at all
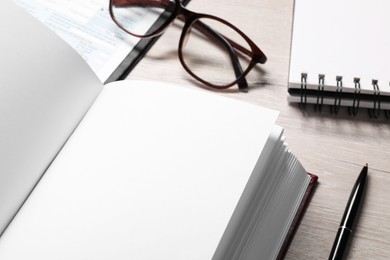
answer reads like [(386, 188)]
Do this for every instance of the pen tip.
[(366, 165)]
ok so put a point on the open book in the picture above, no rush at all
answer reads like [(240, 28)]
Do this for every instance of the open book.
[(133, 169)]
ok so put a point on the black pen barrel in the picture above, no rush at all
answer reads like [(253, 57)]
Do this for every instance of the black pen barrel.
[(351, 213), (354, 201), (342, 240)]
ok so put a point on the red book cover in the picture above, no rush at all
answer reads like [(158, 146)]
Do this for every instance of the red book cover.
[(298, 216)]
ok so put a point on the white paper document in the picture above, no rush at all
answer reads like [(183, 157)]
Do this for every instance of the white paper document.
[(87, 26)]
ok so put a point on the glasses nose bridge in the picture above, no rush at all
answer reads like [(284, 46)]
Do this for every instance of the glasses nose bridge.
[(185, 15)]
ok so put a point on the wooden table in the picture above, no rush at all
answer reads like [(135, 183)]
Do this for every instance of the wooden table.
[(333, 147)]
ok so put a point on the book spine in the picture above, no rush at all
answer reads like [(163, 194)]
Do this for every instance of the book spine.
[(298, 217)]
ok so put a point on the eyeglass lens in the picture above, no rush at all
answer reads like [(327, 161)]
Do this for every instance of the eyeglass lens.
[(137, 16), (225, 61)]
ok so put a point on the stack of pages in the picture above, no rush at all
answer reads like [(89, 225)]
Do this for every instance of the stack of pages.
[(134, 169)]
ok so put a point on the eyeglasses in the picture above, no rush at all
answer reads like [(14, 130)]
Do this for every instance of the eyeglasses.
[(230, 53)]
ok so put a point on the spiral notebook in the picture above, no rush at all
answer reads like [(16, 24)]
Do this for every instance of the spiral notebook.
[(340, 55)]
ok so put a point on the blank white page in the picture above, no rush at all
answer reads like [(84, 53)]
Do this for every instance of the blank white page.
[(152, 172), (45, 90), (348, 38)]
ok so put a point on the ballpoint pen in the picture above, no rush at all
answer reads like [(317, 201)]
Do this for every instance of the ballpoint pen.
[(350, 215)]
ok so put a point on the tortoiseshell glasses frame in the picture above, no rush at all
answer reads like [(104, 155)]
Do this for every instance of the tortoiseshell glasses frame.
[(236, 51)]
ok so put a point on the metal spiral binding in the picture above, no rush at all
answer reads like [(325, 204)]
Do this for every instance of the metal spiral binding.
[(320, 95), (337, 101), (303, 90), (374, 112), (356, 98), (353, 110)]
